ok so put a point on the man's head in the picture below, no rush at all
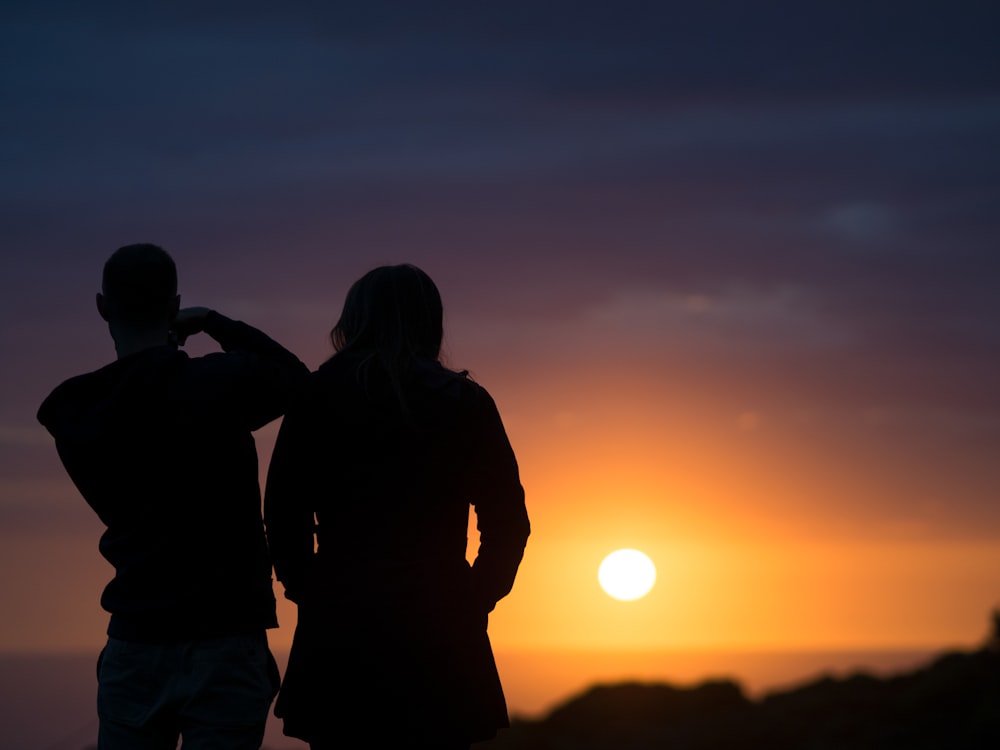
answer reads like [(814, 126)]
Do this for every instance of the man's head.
[(139, 289)]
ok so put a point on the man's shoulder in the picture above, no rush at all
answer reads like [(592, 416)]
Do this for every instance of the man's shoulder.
[(119, 380), (69, 393), (214, 362), (216, 374)]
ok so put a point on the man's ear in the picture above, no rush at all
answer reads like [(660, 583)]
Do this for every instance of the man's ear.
[(175, 306), (102, 306)]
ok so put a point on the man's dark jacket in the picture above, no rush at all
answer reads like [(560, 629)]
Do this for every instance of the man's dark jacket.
[(160, 445)]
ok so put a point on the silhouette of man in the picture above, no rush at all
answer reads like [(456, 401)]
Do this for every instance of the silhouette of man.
[(160, 445)]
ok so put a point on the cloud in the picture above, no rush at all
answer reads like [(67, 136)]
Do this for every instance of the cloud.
[(860, 223), (736, 321)]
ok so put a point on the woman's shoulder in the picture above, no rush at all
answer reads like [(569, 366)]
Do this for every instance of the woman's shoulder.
[(457, 384), (332, 377), (342, 377), (340, 368)]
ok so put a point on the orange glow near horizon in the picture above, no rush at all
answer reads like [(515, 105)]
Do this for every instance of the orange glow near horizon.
[(766, 596), (757, 543)]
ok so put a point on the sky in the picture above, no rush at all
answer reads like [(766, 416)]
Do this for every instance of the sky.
[(729, 269)]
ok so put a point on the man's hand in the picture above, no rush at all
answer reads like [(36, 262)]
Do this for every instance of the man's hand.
[(189, 321)]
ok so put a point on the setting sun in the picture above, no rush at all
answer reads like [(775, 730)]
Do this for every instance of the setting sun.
[(626, 574)]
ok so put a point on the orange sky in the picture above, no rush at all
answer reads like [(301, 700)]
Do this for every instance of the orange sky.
[(761, 541)]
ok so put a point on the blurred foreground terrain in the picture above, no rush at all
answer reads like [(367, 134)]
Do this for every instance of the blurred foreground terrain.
[(953, 703)]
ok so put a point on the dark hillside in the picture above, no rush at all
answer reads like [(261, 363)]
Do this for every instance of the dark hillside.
[(952, 703)]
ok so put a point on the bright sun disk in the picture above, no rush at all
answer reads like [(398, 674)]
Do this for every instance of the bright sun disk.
[(626, 574)]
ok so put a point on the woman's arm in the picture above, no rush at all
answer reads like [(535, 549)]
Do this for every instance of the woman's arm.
[(498, 498), (289, 496)]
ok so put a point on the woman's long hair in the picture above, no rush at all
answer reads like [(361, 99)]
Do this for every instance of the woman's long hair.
[(393, 321)]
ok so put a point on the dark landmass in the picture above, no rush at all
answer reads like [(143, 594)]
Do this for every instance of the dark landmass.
[(952, 703)]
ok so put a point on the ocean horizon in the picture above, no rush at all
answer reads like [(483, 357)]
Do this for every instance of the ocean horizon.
[(47, 700)]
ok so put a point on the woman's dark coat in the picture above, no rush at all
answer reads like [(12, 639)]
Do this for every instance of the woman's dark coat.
[(391, 632)]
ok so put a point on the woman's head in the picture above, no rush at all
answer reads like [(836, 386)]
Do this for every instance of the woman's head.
[(394, 312)]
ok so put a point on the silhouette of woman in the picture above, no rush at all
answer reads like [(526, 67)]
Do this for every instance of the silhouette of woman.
[(387, 448)]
